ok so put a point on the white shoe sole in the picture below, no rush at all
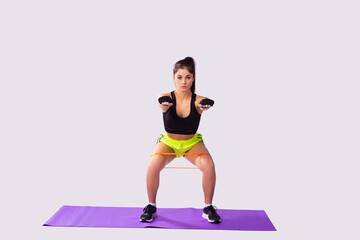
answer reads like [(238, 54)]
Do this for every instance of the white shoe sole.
[(150, 220), (206, 216)]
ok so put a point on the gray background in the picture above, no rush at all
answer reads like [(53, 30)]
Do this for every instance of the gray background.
[(79, 118)]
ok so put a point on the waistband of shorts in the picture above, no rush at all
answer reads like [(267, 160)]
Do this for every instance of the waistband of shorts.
[(190, 139)]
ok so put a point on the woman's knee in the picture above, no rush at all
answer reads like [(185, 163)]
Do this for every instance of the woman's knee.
[(206, 164), (158, 162)]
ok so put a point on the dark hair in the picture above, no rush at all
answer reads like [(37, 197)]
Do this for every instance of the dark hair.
[(189, 64)]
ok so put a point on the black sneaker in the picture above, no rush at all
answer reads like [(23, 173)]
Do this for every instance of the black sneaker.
[(211, 215), (149, 213)]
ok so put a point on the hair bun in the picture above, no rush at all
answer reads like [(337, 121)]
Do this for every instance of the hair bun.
[(189, 59)]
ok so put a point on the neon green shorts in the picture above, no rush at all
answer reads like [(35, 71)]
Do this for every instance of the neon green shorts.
[(180, 146)]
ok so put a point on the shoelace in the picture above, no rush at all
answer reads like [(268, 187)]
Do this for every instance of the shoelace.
[(147, 208), (213, 209)]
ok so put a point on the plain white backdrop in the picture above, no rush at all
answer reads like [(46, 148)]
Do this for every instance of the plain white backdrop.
[(79, 118)]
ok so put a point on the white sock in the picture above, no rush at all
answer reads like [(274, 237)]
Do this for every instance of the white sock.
[(153, 204), (206, 205)]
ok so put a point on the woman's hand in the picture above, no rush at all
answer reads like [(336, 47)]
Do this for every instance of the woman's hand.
[(165, 102), (204, 107), (205, 104)]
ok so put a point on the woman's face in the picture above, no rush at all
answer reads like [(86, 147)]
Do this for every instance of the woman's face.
[(183, 79)]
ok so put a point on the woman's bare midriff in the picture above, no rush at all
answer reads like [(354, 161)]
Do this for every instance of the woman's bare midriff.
[(180, 136)]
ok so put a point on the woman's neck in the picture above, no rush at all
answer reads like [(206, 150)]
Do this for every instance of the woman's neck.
[(181, 96)]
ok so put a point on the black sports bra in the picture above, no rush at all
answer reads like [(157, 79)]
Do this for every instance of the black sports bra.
[(178, 125)]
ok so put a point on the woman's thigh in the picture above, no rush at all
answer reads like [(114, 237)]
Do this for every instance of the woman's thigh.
[(162, 159), (195, 159)]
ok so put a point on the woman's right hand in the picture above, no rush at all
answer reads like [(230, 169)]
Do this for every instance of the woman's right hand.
[(165, 102)]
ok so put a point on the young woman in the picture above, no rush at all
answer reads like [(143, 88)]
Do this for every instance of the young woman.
[(182, 110)]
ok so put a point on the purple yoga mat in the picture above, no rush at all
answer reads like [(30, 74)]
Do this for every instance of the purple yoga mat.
[(175, 218)]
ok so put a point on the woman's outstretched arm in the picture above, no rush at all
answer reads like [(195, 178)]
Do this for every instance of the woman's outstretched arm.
[(205, 103), (164, 101)]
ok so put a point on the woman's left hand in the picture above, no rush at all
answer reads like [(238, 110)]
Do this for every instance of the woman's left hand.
[(205, 104), (204, 107)]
